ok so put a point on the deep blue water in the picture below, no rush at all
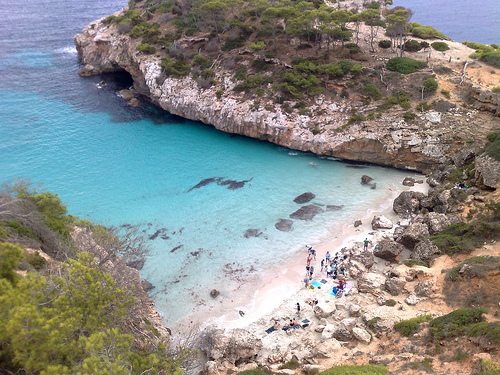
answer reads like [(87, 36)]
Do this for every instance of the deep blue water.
[(118, 165), (461, 20)]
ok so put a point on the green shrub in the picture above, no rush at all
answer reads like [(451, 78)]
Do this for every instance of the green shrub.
[(493, 148), (36, 260), (410, 326), (485, 367), (202, 61), (384, 44), (495, 89), (412, 45), (415, 262), (491, 58), (477, 266), (372, 91), (423, 106), (146, 48), (290, 365), (426, 32), (490, 331), (390, 302), (316, 130), (408, 116), (355, 370), (478, 46), (356, 118), (257, 46), (257, 371), (455, 323), (446, 93), (175, 68), (430, 85), (404, 65), (465, 237), (440, 46)]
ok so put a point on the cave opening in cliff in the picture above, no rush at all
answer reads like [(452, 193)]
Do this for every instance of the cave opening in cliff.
[(118, 80)]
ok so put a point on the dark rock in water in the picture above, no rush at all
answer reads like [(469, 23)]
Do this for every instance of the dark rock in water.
[(353, 166), (137, 264), (365, 180), (408, 181), (252, 233), (333, 207), (242, 313), (357, 223), (214, 293), (154, 235), (176, 248), (373, 186), (306, 212), (146, 285), (232, 184), (205, 182), (165, 237), (284, 225), (304, 198)]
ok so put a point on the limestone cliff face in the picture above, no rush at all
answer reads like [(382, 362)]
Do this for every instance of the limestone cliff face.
[(419, 145)]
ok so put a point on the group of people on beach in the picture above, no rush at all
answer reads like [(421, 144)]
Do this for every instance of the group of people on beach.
[(334, 267)]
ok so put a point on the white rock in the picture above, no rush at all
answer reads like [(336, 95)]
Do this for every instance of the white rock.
[(362, 335)]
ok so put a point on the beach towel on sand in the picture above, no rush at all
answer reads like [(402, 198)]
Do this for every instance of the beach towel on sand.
[(323, 281), (317, 284), (269, 330)]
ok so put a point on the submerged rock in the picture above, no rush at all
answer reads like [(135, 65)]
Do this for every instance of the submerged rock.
[(306, 212), (365, 180), (284, 225), (146, 285), (304, 198), (137, 264)]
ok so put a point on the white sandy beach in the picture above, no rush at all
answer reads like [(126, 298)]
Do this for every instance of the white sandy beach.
[(281, 289)]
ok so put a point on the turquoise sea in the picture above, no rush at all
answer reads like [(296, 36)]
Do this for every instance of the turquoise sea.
[(118, 165)]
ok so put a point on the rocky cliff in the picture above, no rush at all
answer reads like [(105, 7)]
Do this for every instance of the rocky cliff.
[(419, 144)]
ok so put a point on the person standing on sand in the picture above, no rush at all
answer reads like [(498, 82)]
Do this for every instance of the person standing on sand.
[(322, 264), (309, 258), (327, 257), (298, 309), (365, 243), (306, 281), (311, 272)]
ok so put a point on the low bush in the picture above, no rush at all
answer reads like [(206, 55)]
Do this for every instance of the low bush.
[(36, 260), (175, 68), (410, 326), (426, 32), (477, 266), (430, 85), (465, 237), (455, 323), (372, 91), (491, 58), (489, 331), (290, 365), (356, 370), (405, 65), (495, 89), (446, 93), (440, 46), (415, 262), (385, 44), (412, 45), (146, 48), (408, 116), (390, 302)]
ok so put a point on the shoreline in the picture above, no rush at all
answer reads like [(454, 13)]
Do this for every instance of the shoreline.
[(284, 284)]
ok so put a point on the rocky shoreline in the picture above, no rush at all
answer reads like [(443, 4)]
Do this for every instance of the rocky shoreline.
[(421, 144), (357, 327)]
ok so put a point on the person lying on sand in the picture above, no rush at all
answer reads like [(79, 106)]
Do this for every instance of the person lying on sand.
[(312, 301)]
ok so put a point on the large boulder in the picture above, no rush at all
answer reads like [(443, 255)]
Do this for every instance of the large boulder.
[(437, 222), (364, 257), (324, 309), (306, 212), (394, 285), (343, 331), (388, 250), (370, 282), (304, 198), (362, 335), (424, 250), (407, 201), (381, 222), (381, 318), (424, 288), (487, 172), (233, 345), (413, 234)]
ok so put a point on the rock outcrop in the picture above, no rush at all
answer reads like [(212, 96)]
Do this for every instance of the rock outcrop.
[(426, 142)]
